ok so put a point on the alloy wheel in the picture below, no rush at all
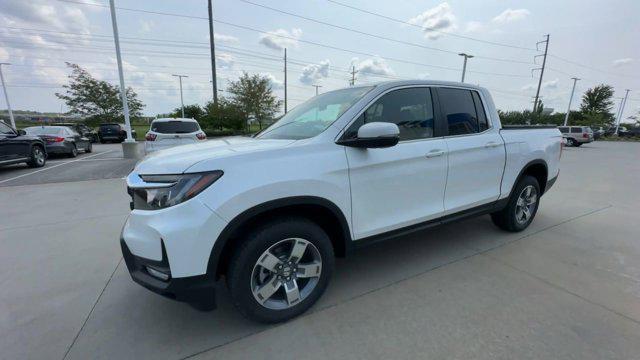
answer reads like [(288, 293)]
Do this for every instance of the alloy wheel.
[(38, 156), (286, 273), (526, 204)]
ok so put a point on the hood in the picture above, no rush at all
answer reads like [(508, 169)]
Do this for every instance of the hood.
[(178, 159)]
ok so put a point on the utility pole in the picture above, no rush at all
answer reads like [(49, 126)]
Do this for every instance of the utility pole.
[(353, 75), (213, 56), (317, 86), (464, 65), (544, 62), (566, 117), (624, 103), (285, 80), (181, 99), (6, 96), (619, 108)]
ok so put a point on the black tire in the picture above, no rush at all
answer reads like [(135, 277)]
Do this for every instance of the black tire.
[(89, 148), (241, 267), (507, 218), (74, 151), (38, 157), (577, 144), (571, 142)]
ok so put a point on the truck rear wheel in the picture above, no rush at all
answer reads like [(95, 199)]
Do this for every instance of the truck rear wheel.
[(280, 270), (521, 208)]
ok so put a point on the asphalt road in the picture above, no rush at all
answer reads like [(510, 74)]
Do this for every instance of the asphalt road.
[(568, 287), (105, 162)]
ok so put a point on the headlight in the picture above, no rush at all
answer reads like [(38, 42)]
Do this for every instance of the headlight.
[(161, 191)]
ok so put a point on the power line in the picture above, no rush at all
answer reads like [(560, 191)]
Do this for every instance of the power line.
[(377, 36), (430, 29)]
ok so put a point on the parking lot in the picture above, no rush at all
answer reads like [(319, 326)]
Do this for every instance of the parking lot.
[(567, 287)]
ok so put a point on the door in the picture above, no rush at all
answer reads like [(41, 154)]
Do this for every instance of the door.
[(401, 185), (12, 146), (476, 153)]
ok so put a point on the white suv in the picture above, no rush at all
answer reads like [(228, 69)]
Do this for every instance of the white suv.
[(342, 170), (169, 132)]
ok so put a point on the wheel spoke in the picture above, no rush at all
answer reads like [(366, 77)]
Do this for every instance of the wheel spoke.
[(526, 213), (309, 270), (532, 199), (269, 261), (293, 294), (519, 214), (297, 251), (267, 290), (528, 192)]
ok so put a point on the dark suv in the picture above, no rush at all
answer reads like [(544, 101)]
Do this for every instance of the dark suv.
[(82, 129), (18, 147), (113, 132)]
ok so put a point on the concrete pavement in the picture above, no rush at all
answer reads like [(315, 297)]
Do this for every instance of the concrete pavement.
[(567, 287)]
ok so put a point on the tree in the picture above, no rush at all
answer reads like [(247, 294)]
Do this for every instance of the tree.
[(223, 115), (190, 112), (596, 106), (254, 96), (88, 96)]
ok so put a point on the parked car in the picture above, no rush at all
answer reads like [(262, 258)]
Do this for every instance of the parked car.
[(345, 169), (18, 147), (577, 135), (598, 133), (169, 132), (83, 130), (113, 133), (61, 140)]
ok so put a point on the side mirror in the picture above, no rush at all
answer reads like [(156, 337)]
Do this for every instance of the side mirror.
[(374, 135), (22, 132)]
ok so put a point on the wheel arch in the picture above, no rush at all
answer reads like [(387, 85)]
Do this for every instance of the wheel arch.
[(322, 211), (538, 169)]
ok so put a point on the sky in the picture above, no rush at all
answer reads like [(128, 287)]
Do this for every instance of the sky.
[(595, 41)]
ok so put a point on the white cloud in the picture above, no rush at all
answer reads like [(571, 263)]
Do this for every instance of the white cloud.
[(281, 38), (225, 38), (439, 18), (275, 83), (510, 15), (372, 66), (312, 73), (622, 62), (4, 54), (224, 60), (551, 84), (146, 25)]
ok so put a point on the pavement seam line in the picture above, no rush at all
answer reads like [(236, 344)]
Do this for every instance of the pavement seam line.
[(330, 306), (91, 311), (560, 288), (52, 167)]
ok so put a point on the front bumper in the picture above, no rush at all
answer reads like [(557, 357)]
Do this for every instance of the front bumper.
[(194, 289)]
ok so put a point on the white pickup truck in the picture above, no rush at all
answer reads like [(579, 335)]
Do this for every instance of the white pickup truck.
[(346, 168)]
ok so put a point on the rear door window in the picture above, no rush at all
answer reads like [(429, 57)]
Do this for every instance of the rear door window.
[(459, 110), (563, 129), (576, 130), (110, 127), (174, 127)]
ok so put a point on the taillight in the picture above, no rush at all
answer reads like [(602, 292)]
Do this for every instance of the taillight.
[(585, 135), (151, 137), (51, 139), (201, 136)]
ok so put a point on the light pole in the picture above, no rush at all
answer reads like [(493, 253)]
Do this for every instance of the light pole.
[(123, 90), (317, 86), (6, 96), (464, 65), (213, 55), (566, 117), (181, 99)]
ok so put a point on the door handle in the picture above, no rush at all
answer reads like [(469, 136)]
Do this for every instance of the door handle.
[(491, 144), (435, 153)]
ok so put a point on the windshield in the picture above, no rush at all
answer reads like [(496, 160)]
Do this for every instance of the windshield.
[(39, 130), (174, 127), (314, 116)]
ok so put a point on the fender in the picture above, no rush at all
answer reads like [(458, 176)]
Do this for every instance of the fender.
[(237, 222), (524, 168)]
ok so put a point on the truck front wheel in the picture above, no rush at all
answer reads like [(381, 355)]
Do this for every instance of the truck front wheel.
[(280, 270), (521, 208)]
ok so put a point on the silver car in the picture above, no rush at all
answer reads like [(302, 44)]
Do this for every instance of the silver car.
[(576, 135), (169, 132)]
